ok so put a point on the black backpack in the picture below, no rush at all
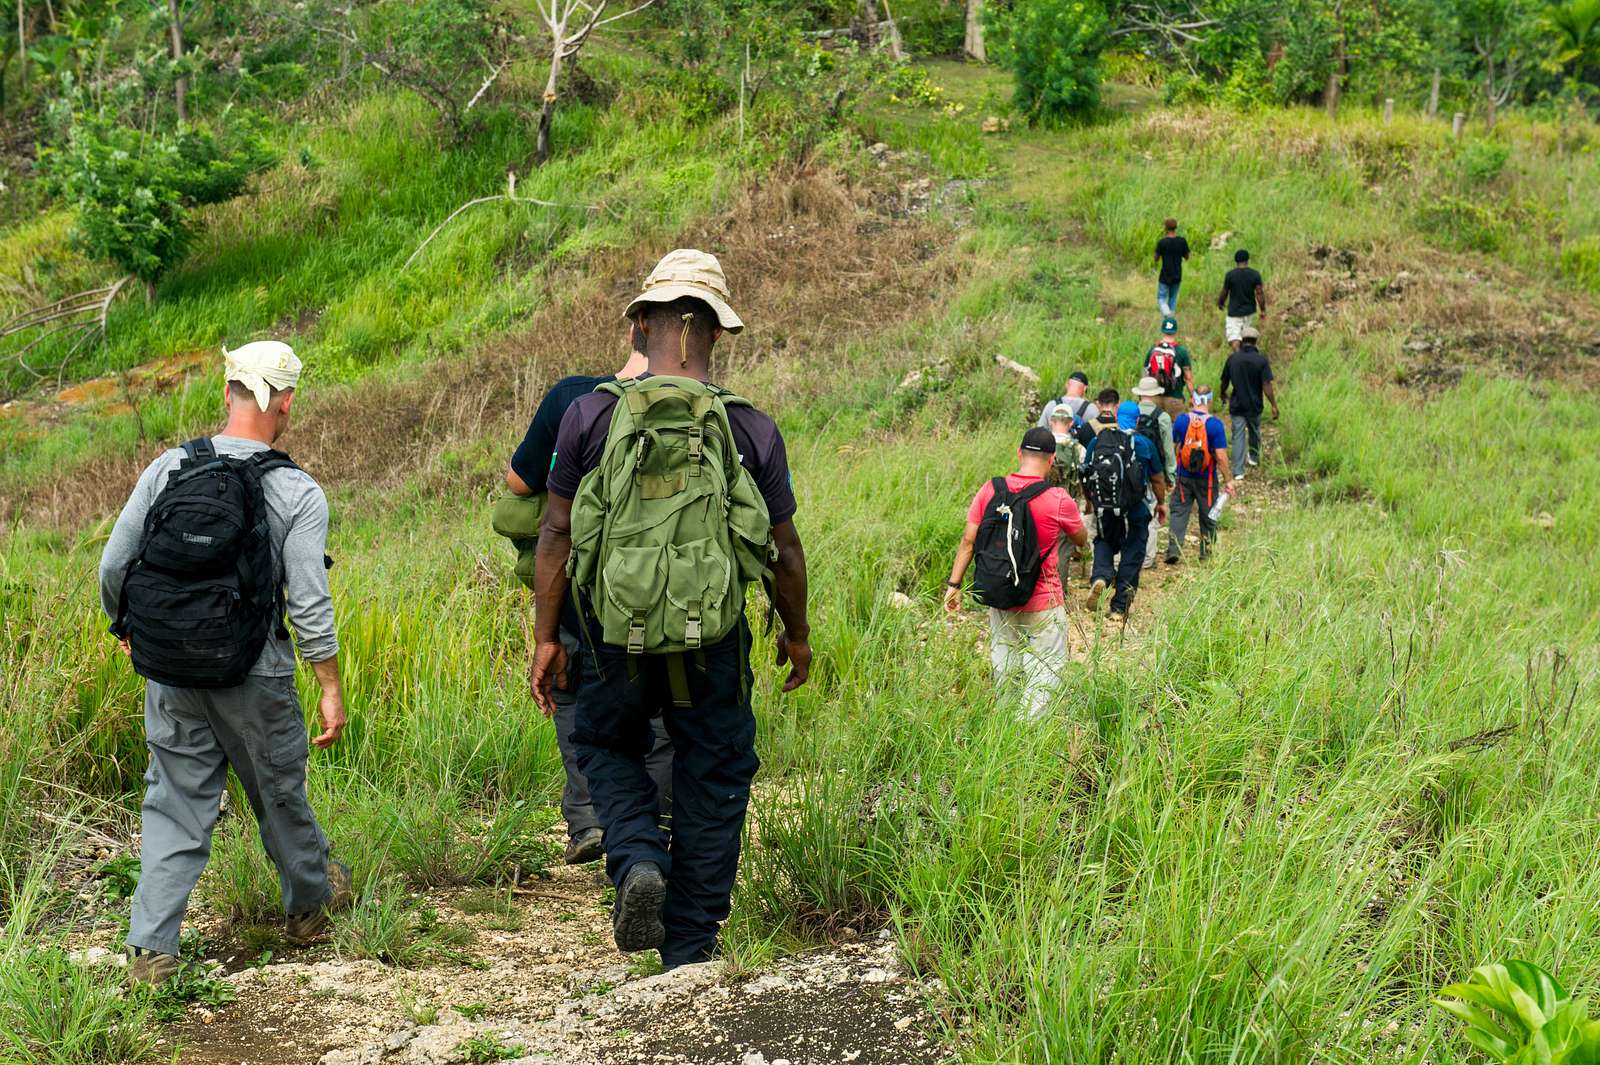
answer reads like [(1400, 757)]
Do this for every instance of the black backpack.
[(1114, 478), (1006, 554), (1149, 427), (202, 594)]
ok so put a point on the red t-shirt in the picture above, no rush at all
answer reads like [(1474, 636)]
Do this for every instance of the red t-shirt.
[(1054, 513)]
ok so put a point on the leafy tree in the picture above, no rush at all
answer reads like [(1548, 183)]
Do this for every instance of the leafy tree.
[(136, 192), (1502, 36), (1055, 50), (1576, 25)]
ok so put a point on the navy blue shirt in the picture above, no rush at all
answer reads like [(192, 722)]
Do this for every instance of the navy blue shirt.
[(537, 452)]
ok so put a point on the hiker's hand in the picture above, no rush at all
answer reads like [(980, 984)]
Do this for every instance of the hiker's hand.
[(331, 708), (1161, 513), (549, 669), (797, 655), (127, 648), (1275, 413), (952, 599)]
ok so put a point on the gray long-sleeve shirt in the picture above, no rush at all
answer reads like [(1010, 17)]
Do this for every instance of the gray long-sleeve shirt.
[(297, 520)]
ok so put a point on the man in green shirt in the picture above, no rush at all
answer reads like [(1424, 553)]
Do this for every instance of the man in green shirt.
[(1170, 360)]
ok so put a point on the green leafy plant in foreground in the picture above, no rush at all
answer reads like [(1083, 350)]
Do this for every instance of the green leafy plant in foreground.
[(1519, 1015), (487, 1048)]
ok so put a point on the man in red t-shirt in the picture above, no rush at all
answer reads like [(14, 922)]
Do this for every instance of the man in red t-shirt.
[(1030, 639)]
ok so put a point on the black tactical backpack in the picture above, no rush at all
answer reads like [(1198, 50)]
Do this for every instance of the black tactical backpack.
[(202, 594), (1114, 478), (1006, 556)]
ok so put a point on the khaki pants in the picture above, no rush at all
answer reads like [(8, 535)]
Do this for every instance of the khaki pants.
[(1030, 646)]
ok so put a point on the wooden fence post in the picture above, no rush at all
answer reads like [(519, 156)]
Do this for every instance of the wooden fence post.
[(1388, 110), (1456, 124)]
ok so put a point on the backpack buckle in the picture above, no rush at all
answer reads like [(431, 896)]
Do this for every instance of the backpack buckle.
[(691, 627), (636, 633), (696, 449)]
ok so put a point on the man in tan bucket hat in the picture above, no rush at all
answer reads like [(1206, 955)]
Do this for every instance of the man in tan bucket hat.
[(673, 889)]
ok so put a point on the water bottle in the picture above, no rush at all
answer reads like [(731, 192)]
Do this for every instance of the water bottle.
[(1216, 509)]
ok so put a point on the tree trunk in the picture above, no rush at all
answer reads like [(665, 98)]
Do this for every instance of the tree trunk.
[(180, 85), (22, 45), (1488, 90), (972, 47), (1433, 94), (541, 154), (1330, 93), (896, 51)]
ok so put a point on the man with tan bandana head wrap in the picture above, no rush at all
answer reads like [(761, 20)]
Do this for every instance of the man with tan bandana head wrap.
[(220, 541)]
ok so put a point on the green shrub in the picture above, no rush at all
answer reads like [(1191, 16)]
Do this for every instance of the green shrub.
[(1518, 1013), (1463, 223), (1182, 87), (135, 192), (1055, 54), (1482, 161)]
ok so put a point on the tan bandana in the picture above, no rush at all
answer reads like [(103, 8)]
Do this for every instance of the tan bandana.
[(262, 366)]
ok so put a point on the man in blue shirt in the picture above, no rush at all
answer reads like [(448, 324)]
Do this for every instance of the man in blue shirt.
[(1202, 451), (1119, 539)]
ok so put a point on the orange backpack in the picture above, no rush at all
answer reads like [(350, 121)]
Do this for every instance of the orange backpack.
[(1194, 455)]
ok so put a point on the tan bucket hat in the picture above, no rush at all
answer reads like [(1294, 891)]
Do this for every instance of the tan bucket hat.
[(1147, 386), (688, 272)]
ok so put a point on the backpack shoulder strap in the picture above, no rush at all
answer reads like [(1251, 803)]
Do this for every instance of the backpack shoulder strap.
[(263, 461), (1032, 492), (1001, 489), (200, 449)]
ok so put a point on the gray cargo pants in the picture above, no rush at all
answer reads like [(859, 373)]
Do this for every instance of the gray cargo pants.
[(577, 809), (194, 736)]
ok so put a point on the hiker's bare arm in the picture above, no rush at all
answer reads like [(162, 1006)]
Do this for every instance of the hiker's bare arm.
[(1158, 484), (789, 600), (1271, 392), (517, 485), (1261, 300), (1188, 377), (1224, 466), (1222, 298), (952, 595), (549, 668), (1081, 537), (331, 705)]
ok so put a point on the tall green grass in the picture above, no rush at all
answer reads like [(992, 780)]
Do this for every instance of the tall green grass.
[(1348, 761)]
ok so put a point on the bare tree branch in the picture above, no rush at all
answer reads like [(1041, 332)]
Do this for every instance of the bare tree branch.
[(510, 195)]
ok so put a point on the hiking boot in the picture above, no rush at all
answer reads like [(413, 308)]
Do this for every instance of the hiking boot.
[(302, 928), (1173, 560), (1096, 590), (151, 967), (1239, 476), (636, 915), (587, 846), (1250, 460)]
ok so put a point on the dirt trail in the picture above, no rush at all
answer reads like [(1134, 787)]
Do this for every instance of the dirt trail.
[(545, 984)]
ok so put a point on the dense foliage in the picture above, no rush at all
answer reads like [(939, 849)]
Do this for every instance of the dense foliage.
[(1055, 50), (135, 192)]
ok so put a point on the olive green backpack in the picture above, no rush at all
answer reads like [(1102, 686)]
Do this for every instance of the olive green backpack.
[(669, 528)]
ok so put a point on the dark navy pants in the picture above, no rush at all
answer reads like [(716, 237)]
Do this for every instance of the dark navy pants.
[(1118, 559), (714, 761)]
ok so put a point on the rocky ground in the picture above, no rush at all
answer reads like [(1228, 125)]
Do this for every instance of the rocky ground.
[(537, 979)]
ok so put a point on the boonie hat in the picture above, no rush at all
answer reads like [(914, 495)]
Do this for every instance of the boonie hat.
[(1147, 386), (689, 272), (1169, 325), (1039, 439), (1250, 332)]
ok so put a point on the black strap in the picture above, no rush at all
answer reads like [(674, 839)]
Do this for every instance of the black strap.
[(200, 449), (1030, 493)]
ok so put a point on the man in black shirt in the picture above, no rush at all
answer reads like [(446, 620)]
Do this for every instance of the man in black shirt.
[(1171, 251), (529, 470), (1242, 296), (1248, 375)]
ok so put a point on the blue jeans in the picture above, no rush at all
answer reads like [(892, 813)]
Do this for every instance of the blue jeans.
[(714, 761), (1167, 296)]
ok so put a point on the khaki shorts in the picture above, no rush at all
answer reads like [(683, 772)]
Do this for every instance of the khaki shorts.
[(1235, 327)]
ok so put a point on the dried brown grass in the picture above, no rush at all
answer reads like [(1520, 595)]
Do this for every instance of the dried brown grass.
[(808, 273)]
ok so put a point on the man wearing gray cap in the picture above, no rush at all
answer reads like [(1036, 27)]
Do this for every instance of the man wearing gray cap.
[(667, 495), (220, 539)]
